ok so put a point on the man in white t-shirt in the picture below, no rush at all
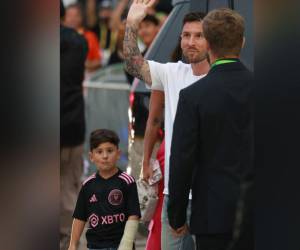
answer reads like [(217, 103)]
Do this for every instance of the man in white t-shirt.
[(170, 78)]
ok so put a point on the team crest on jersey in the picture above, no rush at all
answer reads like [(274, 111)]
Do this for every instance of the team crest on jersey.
[(94, 220), (115, 197)]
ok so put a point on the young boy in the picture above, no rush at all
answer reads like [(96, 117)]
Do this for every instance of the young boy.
[(108, 199)]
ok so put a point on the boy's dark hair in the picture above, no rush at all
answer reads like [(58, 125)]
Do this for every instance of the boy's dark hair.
[(224, 30), (100, 136), (193, 17), (151, 19)]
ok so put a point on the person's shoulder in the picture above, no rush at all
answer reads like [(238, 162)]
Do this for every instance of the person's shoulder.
[(69, 32), (126, 178), (70, 35), (89, 180), (66, 30)]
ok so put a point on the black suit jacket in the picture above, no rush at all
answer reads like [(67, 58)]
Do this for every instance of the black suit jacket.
[(212, 149)]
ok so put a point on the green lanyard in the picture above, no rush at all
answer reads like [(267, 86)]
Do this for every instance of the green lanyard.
[(222, 61)]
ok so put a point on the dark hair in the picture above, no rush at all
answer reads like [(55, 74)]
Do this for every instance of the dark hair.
[(224, 31), (100, 136), (176, 54), (151, 19), (193, 17)]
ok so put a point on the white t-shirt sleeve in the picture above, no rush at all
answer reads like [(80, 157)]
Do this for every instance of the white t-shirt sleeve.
[(158, 74)]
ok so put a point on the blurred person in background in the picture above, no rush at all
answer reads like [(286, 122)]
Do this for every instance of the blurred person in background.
[(104, 18), (148, 30), (117, 55), (91, 7), (160, 9), (73, 51), (98, 15), (74, 19), (118, 14)]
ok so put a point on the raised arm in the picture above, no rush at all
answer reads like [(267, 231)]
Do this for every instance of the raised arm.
[(135, 64)]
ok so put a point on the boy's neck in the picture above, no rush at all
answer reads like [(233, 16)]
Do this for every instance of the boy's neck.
[(108, 174)]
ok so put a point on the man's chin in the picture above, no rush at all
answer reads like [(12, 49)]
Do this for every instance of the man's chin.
[(195, 60)]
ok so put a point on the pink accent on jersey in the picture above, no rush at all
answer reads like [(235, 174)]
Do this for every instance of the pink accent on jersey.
[(94, 219), (122, 217), (124, 178), (110, 219), (129, 178), (89, 178)]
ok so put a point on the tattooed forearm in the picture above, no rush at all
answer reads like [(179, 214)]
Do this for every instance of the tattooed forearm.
[(135, 64)]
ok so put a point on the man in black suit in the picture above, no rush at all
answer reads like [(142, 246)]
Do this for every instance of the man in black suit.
[(212, 143)]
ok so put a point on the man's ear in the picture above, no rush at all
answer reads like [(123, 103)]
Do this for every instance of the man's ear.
[(91, 157), (244, 41)]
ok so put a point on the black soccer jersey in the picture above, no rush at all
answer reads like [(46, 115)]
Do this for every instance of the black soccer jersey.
[(106, 204)]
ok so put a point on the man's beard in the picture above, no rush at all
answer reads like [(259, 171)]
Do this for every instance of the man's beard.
[(195, 59)]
